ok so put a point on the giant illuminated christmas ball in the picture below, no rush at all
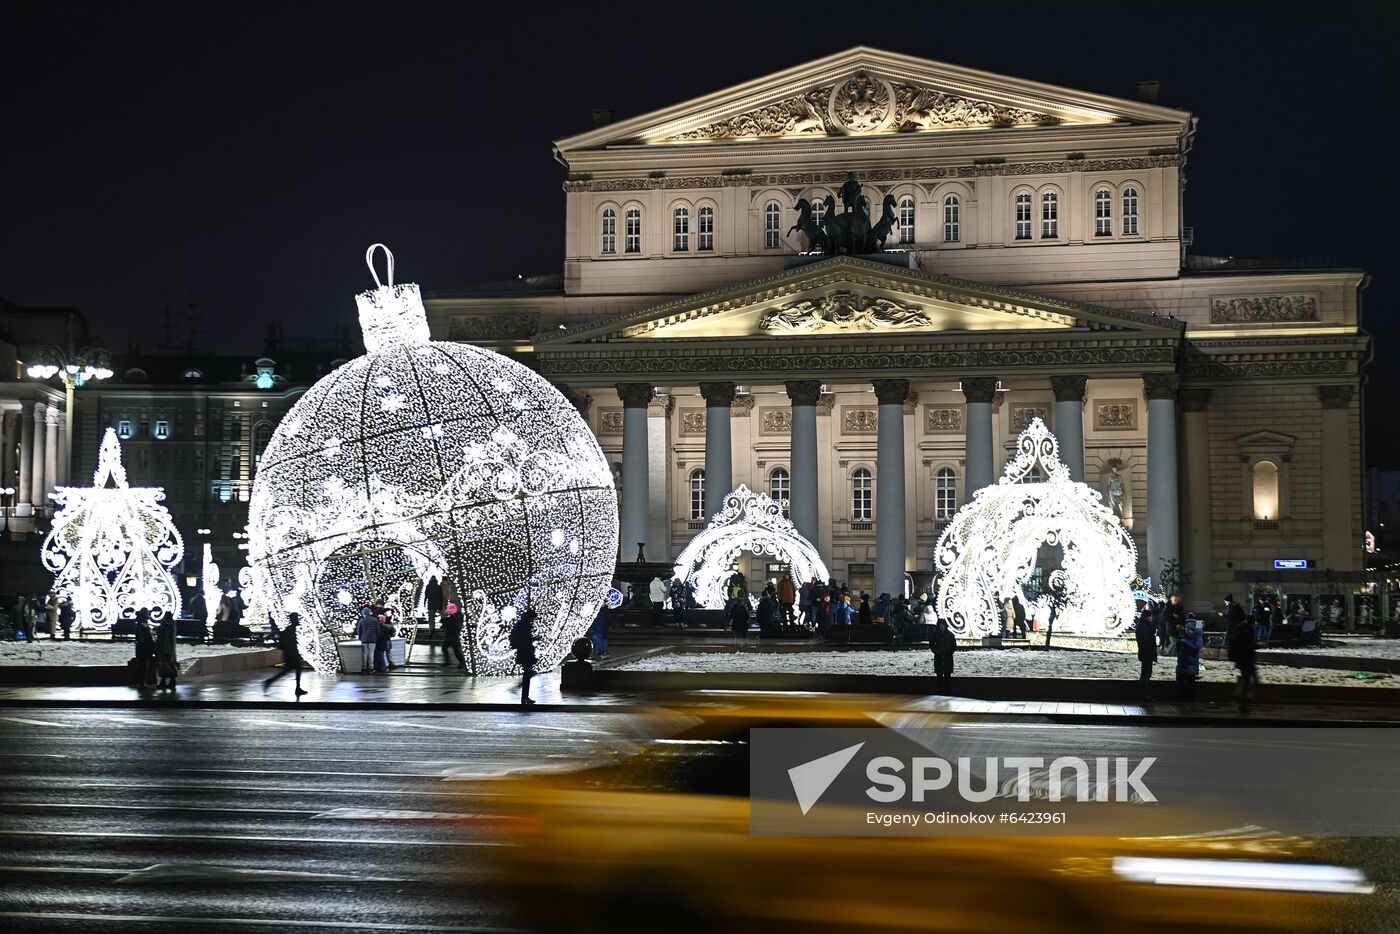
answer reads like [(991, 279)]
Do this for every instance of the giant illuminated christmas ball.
[(430, 459)]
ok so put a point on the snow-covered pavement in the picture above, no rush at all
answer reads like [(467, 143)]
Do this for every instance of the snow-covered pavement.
[(60, 652)]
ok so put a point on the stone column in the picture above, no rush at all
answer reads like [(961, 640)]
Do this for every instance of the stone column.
[(659, 476), (52, 439), (60, 477), (978, 434), (37, 479), (890, 514), (804, 395), (1163, 511), (1195, 441), (24, 496), (1069, 422), (635, 397), (8, 426), (719, 455), (1341, 541)]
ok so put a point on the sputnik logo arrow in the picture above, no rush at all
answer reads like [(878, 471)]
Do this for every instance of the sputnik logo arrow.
[(810, 780)]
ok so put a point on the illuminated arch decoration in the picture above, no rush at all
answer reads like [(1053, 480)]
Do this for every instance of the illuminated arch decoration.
[(425, 458), (752, 522), (112, 546), (988, 552)]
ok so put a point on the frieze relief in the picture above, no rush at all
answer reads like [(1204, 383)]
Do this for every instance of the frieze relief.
[(859, 421), (844, 310), (940, 419), (491, 327), (610, 421), (775, 421), (1115, 415), (1023, 415), (1256, 309), (692, 421)]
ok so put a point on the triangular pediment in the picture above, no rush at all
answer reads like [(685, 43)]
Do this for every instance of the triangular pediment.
[(864, 91), (846, 297)]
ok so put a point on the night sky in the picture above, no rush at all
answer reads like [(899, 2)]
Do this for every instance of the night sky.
[(235, 161)]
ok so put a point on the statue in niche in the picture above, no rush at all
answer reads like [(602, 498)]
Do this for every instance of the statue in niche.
[(1115, 491)]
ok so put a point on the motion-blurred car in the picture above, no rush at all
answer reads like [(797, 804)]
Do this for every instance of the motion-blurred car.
[(659, 842)]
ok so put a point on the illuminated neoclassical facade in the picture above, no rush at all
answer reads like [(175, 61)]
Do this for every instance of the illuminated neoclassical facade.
[(1029, 263)]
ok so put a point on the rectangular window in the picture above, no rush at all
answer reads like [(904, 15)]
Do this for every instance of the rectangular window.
[(633, 232), (1049, 216), (906, 220), (772, 226), (124, 429), (609, 231), (681, 231), (162, 430), (707, 229), (952, 220), (1023, 217), (1103, 214), (1130, 212)]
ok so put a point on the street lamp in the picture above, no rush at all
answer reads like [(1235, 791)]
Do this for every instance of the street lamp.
[(9, 493), (73, 370)]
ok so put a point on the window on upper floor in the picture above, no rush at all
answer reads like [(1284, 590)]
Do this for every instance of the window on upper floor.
[(680, 229), (1265, 477), (1023, 216), (818, 210), (707, 229), (780, 488), (906, 219), (1103, 213), (772, 226), (609, 231), (1130, 211), (162, 432), (945, 494), (124, 429), (1049, 216), (632, 232), (862, 499), (952, 219), (697, 494)]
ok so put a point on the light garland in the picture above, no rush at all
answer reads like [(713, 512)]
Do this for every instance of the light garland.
[(209, 586), (988, 552), (429, 459), (749, 521), (111, 548)]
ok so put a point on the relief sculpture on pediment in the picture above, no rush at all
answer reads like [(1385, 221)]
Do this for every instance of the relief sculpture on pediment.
[(844, 310)]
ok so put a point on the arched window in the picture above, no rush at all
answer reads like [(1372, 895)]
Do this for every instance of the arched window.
[(945, 494), (697, 493), (1265, 475), (609, 233), (861, 500), (1049, 216), (780, 488), (1023, 216), (680, 229), (906, 219), (1130, 211), (952, 219), (707, 229), (1103, 213), (633, 231), (772, 225), (818, 210)]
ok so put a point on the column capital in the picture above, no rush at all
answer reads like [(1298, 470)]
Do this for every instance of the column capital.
[(53, 414), (891, 391), (26, 408), (1195, 400), (1069, 388), (1335, 397), (1161, 385), (635, 395), (804, 391), (979, 388), (718, 395), (41, 410)]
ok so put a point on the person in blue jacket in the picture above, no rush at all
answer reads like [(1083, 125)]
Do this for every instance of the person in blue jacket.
[(1189, 640)]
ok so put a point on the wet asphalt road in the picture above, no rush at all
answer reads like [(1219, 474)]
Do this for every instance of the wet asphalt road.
[(167, 819)]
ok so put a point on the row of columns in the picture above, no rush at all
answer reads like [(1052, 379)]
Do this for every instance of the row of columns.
[(33, 453), (891, 516)]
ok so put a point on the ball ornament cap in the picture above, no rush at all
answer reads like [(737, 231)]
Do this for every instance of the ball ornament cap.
[(427, 459)]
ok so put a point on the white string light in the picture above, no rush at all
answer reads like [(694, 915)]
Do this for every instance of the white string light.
[(111, 548), (429, 459), (989, 550), (209, 586)]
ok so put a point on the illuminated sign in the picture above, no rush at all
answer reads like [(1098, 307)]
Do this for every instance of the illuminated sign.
[(1290, 564)]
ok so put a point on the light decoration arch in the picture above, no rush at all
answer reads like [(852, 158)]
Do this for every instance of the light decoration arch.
[(749, 521), (112, 546), (988, 551), (425, 458)]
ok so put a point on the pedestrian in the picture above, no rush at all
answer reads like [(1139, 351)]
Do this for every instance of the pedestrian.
[(804, 603), (842, 615), (1173, 622), (677, 605), (884, 608), (598, 631), (452, 635), (1146, 633), (1189, 640), (657, 591), (928, 616), (167, 669), (433, 602), (522, 640), (863, 615), (787, 597), (145, 650), (367, 631), (291, 653), (1240, 649), (943, 644), (767, 611), (383, 642), (66, 617), (1019, 618), (51, 616), (739, 617)]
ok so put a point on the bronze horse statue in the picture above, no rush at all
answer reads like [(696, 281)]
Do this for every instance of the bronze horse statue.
[(807, 223), (881, 231), (850, 230)]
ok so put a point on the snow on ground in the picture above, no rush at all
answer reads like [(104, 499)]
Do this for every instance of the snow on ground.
[(1013, 663), (1353, 647), (98, 652)]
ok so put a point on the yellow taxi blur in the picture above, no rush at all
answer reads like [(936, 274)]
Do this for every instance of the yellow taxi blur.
[(659, 841)]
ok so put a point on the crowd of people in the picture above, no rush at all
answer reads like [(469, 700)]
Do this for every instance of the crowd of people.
[(42, 616)]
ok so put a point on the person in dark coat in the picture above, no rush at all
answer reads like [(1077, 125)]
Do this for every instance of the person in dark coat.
[(1146, 650), (367, 632), (1240, 648), (66, 617), (522, 640), (452, 635), (167, 669), (1019, 620), (944, 644), (598, 631), (291, 653), (767, 611), (739, 617), (433, 600), (145, 650), (677, 606), (863, 614), (382, 644), (1189, 640), (1172, 620)]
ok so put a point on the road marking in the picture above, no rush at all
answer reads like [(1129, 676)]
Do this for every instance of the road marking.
[(298, 726), (185, 872), (135, 720), (285, 924), (113, 835), (308, 772), (567, 729), (429, 726), (35, 722), (392, 814), (158, 807), (269, 789)]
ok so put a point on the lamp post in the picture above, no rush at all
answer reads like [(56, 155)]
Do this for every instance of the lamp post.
[(9, 493), (73, 370)]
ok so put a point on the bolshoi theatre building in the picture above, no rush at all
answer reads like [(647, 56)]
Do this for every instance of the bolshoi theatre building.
[(851, 284)]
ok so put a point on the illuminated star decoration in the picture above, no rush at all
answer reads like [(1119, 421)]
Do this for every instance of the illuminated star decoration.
[(478, 472), (989, 550), (751, 522), (111, 547)]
